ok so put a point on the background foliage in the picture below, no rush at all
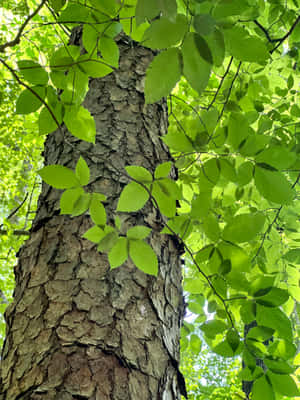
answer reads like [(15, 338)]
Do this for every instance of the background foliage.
[(230, 70)]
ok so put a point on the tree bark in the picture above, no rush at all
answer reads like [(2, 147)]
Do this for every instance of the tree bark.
[(76, 329)]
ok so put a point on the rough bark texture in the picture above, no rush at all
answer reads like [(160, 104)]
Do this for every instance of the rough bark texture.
[(76, 329)]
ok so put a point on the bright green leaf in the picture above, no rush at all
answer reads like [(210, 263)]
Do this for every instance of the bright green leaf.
[(97, 212), (118, 253), (94, 234), (81, 124), (262, 390), (283, 384), (132, 198), (68, 199), (59, 176), (143, 257), (138, 173), (82, 172), (138, 232)]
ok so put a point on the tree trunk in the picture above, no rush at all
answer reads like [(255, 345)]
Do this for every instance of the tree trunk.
[(76, 329)]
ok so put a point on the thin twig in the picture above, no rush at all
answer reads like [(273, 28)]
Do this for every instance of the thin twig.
[(286, 35), (221, 83)]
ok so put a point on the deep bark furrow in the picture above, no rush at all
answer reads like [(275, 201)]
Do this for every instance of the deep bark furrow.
[(76, 329)]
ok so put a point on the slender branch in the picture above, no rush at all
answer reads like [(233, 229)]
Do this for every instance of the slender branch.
[(17, 208), (221, 83), (286, 35), (230, 90), (17, 39), (265, 31)]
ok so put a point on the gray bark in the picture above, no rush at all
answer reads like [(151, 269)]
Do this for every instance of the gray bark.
[(76, 329)]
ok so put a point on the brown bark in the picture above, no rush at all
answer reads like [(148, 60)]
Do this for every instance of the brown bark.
[(76, 329)]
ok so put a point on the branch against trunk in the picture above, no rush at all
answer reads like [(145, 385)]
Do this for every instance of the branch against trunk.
[(75, 327)]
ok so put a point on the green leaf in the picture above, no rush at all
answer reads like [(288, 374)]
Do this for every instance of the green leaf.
[(140, 174), (238, 129), (146, 11), (195, 68), (233, 339), (204, 24), (33, 72), (292, 256), (178, 141), (163, 33), (109, 51), (216, 44), (138, 232), (203, 48), (143, 257), (30, 101), (74, 13), (201, 205), (80, 123), (274, 298), (223, 349), (279, 366), (211, 227), (93, 67), (244, 173), (162, 75), (244, 47), (106, 6), (273, 186), (166, 204), (281, 348), (75, 86), (108, 241), (46, 122), (132, 198), (97, 212), (227, 8), (244, 227), (81, 205), (276, 319), (283, 384), (63, 58), (260, 333), (181, 225), (262, 390), (163, 170), (213, 328), (118, 253), (82, 171), (68, 200), (57, 4), (94, 234), (195, 343), (278, 157), (168, 8), (59, 176)]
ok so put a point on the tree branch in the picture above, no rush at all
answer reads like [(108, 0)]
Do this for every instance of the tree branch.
[(17, 39), (286, 35), (17, 232)]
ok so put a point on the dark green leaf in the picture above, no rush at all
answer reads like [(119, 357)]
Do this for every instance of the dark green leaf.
[(204, 24), (33, 72), (195, 68), (262, 390), (30, 100)]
